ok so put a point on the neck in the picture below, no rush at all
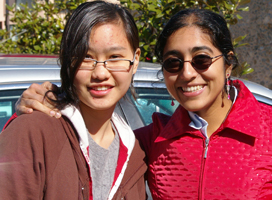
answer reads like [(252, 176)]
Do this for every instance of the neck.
[(98, 124), (216, 114)]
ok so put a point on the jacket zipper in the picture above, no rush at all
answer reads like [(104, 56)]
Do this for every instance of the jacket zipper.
[(201, 189), (206, 147)]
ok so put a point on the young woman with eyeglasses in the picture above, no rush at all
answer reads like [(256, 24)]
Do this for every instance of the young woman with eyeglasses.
[(217, 143), (90, 152)]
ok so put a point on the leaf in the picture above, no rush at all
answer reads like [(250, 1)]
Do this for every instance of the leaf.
[(243, 2), (244, 65), (239, 39), (146, 47), (152, 8), (229, 6), (10, 8), (247, 71), (159, 15), (244, 9), (36, 47), (240, 45), (154, 59), (239, 16)]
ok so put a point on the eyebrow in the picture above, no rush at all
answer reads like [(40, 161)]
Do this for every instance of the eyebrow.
[(195, 49), (172, 52)]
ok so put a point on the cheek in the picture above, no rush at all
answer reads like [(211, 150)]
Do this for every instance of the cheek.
[(80, 79), (215, 79), (170, 80), (124, 80)]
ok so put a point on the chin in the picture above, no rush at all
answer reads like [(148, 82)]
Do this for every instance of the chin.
[(193, 107)]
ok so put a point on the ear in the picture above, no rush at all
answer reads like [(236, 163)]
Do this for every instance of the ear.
[(137, 60), (228, 67)]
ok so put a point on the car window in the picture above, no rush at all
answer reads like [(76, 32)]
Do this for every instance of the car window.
[(8, 99), (150, 100)]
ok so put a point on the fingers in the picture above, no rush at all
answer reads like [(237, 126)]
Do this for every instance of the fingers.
[(33, 98), (48, 86), (20, 109)]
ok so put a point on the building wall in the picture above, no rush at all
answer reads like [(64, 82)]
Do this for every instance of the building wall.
[(257, 24), (2, 14)]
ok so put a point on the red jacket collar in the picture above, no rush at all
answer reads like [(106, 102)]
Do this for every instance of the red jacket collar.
[(243, 117), (245, 113), (177, 125)]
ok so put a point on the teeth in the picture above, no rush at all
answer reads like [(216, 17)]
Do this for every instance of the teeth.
[(100, 88), (192, 89)]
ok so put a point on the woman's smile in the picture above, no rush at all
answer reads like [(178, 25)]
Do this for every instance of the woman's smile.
[(100, 91), (192, 91), (192, 88)]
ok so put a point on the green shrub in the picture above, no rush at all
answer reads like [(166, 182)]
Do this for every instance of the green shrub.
[(152, 15), (38, 29)]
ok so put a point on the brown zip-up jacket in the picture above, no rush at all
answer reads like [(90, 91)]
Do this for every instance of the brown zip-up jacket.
[(40, 158)]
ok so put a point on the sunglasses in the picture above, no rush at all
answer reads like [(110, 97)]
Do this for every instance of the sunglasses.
[(199, 62)]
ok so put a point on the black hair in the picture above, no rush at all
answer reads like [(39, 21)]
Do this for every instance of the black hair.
[(75, 41), (209, 22)]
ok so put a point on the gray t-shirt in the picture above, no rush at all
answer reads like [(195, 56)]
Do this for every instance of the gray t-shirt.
[(103, 166)]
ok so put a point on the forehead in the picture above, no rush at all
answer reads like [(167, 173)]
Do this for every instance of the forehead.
[(108, 34), (188, 38), (191, 34), (114, 26)]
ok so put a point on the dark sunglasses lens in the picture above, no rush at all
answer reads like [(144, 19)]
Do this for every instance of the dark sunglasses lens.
[(172, 65), (202, 62)]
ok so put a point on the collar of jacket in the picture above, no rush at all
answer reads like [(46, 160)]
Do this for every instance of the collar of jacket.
[(127, 142), (244, 117)]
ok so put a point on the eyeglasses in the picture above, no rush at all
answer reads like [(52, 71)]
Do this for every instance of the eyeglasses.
[(199, 62), (116, 65)]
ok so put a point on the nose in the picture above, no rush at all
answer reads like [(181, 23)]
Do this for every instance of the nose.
[(188, 72), (100, 72)]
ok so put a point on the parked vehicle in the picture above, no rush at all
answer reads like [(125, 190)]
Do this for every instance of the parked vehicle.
[(18, 72)]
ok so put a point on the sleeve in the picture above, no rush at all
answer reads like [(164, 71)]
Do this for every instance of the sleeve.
[(144, 136), (21, 160), (148, 134), (10, 120)]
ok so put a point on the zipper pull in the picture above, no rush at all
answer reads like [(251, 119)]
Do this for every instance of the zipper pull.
[(206, 147)]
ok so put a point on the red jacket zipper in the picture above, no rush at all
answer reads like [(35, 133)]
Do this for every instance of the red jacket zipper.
[(201, 185)]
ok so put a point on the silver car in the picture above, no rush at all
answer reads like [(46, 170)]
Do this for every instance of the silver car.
[(18, 72)]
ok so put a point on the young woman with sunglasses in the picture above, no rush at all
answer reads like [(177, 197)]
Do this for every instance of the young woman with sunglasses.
[(90, 152), (217, 143)]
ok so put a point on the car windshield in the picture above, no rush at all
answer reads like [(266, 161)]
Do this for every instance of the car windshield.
[(150, 100), (8, 99)]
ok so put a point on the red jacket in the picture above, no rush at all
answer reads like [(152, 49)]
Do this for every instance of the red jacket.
[(238, 164)]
